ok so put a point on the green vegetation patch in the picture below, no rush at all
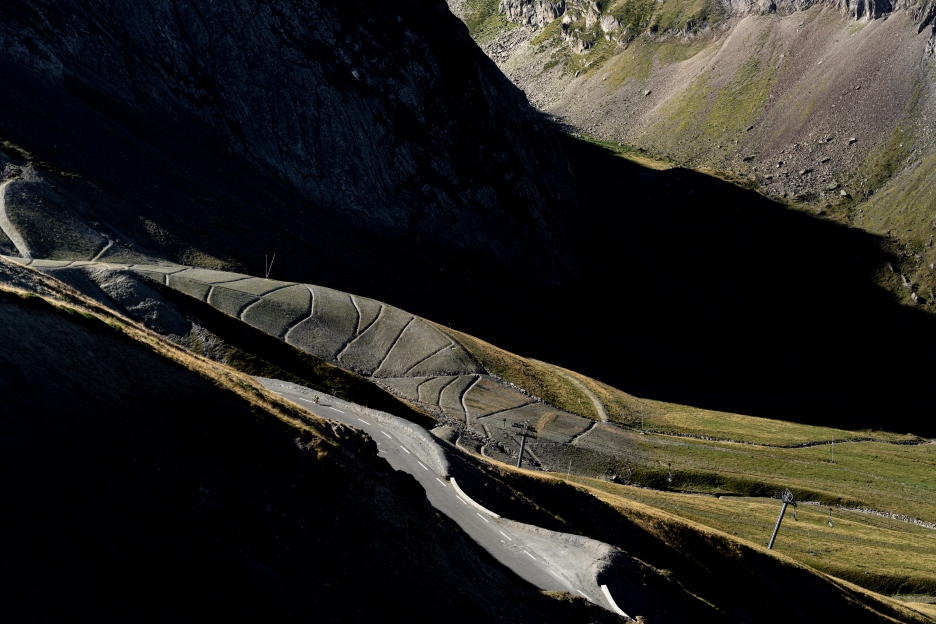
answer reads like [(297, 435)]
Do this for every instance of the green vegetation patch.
[(880, 554), (685, 14), (484, 20), (674, 418), (885, 161), (635, 16), (628, 52), (716, 109), (902, 209), (888, 477), (548, 33)]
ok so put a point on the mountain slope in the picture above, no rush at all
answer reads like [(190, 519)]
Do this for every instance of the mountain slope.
[(151, 484), (203, 494), (475, 395), (817, 103), (332, 115)]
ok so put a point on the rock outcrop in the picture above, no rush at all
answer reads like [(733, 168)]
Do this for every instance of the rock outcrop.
[(532, 12), (536, 12)]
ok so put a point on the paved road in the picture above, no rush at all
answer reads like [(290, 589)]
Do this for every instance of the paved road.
[(509, 544)]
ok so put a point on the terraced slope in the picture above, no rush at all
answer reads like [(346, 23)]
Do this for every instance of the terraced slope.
[(402, 352), (359, 334)]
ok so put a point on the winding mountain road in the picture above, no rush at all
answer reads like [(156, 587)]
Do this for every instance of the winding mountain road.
[(547, 560)]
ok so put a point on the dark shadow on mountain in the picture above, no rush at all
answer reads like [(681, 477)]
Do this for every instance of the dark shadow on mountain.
[(698, 291), (687, 288)]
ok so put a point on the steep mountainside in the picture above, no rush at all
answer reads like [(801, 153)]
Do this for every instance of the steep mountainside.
[(122, 145), (828, 105), (320, 115), (147, 475)]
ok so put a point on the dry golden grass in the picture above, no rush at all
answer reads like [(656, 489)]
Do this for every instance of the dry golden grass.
[(889, 555), (685, 520), (551, 384), (664, 417), (674, 418), (535, 377), (924, 607)]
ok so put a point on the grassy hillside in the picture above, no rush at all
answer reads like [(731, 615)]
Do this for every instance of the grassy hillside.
[(738, 577), (722, 456), (683, 449), (813, 108), (882, 554)]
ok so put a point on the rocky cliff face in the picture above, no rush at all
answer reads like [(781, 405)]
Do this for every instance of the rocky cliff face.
[(387, 117), (820, 102), (537, 12), (532, 12)]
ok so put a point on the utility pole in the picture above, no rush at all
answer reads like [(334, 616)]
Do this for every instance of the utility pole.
[(833, 448), (523, 436), (569, 471), (522, 444), (642, 430), (788, 499), (268, 267)]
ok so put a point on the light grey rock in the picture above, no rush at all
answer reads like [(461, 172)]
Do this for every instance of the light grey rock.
[(532, 12), (609, 24)]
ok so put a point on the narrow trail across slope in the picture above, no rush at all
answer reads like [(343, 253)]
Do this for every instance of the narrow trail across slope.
[(599, 406), (576, 437), (7, 226), (103, 251)]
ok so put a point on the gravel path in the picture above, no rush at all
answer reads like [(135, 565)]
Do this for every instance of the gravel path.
[(599, 406)]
